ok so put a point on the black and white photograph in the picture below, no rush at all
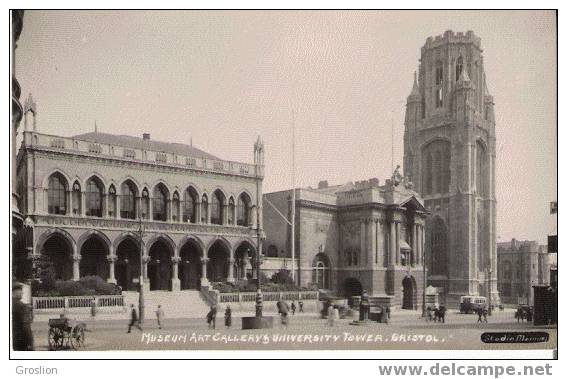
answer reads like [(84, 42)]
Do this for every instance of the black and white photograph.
[(225, 181)]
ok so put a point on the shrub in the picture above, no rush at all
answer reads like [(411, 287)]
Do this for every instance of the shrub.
[(283, 276)]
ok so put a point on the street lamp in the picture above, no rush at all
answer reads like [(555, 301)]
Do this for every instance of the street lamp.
[(423, 313), (141, 304), (489, 291), (28, 245)]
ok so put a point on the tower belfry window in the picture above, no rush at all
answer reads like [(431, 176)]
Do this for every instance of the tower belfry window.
[(438, 85), (459, 68)]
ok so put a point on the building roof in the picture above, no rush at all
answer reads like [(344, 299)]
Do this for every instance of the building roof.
[(139, 143)]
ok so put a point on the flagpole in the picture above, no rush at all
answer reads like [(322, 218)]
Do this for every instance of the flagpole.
[(293, 196)]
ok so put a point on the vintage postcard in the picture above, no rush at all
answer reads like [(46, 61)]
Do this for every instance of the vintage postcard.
[(235, 180)]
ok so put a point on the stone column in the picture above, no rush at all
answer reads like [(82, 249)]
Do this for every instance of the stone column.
[(117, 210), (398, 258), (145, 260), (175, 282), (363, 250), (230, 278), (414, 253), (208, 221), (224, 219), (76, 260), (168, 213), (372, 256), (197, 211), (392, 260), (421, 244), (111, 259), (204, 280), (83, 203), (150, 209), (69, 205)]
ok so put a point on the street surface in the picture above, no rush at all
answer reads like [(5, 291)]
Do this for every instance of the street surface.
[(406, 331)]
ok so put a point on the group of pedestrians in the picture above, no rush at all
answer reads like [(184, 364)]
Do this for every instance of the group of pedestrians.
[(436, 314), (482, 315)]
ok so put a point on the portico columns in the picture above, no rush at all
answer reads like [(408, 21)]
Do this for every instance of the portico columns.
[(175, 282), (76, 260), (414, 252), (397, 243), (230, 270), (197, 211), (111, 259), (204, 261), (392, 260)]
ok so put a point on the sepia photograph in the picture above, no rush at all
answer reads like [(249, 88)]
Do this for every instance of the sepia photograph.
[(278, 180)]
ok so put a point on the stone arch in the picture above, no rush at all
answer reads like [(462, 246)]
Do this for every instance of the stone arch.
[(351, 287), (220, 239), (436, 154), (49, 232), (166, 238), (163, 183), (191, 252), (321, 271), (245, 256), (45, 181), (118, 240), (409, 292), (94, 248), (59, 248), (130, 178), (218, 253), (127, 265), (98, 177)]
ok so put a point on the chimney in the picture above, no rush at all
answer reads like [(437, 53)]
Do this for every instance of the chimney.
[(146, 136)]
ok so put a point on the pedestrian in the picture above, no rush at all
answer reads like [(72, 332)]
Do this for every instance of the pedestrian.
[(228, 317), (93, 307), (330, 315), (387, 313), (442, 311), (485, 315), (300, 306), (479, 313), (159, 315), (529, 315), (283, 310), (133, 319), (429, 315), (336, 314), (292, 308), (22, 336), (435, 314), (212, 317)]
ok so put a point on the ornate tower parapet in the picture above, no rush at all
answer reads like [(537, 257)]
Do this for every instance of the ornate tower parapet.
[(30, 106)]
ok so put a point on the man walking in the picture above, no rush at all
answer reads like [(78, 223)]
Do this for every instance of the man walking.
[(159, 315), (133, 319), (292, 308), (22, 337)]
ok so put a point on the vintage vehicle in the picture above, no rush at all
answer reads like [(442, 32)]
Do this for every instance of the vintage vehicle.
[(65, 333), (470, 304)]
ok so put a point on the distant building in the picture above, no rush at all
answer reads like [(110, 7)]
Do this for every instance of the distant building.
[(521, 265), (87, 196), (353, 237)]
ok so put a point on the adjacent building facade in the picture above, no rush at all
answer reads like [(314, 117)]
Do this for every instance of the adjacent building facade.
[(449, 154), (95, 200), (522, 265), (353, 237)]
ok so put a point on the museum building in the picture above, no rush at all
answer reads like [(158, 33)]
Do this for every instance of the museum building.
[(354, 237), (115, 205)]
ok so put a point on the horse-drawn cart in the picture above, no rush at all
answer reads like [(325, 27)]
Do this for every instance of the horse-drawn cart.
[(65, 333)]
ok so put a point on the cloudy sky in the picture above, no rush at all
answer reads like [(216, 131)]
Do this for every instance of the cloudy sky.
[(223, 78)]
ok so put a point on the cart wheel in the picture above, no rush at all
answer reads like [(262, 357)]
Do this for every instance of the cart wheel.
[(55, 339), (78, 337)]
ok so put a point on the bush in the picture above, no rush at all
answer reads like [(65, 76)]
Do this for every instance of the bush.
[(86, 286), (99, 285), (283, 276)]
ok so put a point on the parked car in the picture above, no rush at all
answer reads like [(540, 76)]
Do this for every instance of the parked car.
[(470, 304)]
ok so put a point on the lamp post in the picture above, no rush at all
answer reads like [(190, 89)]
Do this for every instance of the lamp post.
[(28, 246), (423, 313), (141, 303), (489, 291)]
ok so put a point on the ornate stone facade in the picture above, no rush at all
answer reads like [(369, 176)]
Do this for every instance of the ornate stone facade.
[(449, 153), (354, 237), (93, 197)]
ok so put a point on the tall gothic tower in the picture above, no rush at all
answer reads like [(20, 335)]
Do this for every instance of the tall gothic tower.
[(449, 154)]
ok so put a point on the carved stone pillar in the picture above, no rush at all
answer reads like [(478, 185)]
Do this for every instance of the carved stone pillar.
[(145, 260), (68, 205), (168, 214), (197, 211), (398, 257), (117, 210), (111, 259), (392, 260), (363, 247), (224, 214), (230, 278), (204, 280), (76, 260), (175, 282), (372, 243), (414, 252), (83, 204), (208, 213)]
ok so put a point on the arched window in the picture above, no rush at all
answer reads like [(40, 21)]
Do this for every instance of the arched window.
[(231, 209), (94, 198), (204, 209), (243, 210), (439, 256), (175, 207), (216, 208), (481, 170), (437, 173), (112, 201), (127, 201), (439, 85), (321, 272), (160, 203), (189, 205), (507, 270), (76, 198), (459, 68), (355, 258), (57, 195)]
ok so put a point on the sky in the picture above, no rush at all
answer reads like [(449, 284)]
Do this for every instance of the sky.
[(223, 78)]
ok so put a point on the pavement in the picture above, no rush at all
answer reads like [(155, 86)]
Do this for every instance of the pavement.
[(405, 331)]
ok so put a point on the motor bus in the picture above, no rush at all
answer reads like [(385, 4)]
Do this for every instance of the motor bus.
[(470, 304)]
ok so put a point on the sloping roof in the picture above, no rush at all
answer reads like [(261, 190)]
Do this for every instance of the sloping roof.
[(139, 143)]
